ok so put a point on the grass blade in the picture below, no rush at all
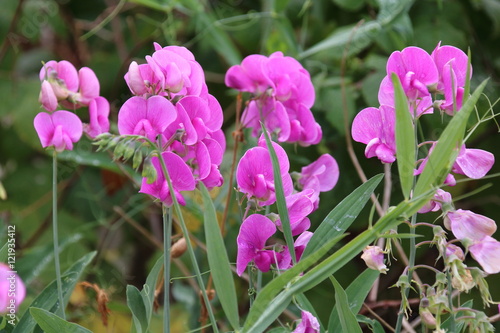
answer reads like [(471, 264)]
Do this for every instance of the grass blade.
[(348, 320), (50, 323)]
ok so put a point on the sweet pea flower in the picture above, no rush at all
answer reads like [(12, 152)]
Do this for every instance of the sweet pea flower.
[(274, 115), (299, 246), (415, 69), (485, 252), (99, 117), (422, 105), (299, 206), (374, 258), (60, 129), (441, 197), (473, 163), (180, 175), (146, 117), (308, 324), (303, 128), (468, 225), (47, 96), (451, 64), (12, 290), (254, 174), (376, 128), (254, 233), (251, 76), (325, 169)]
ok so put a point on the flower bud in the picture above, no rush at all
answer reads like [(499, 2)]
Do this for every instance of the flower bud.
[(374, 258), (129, 150), (149, 171), (427, 318), (137, 160), (47, 97), (178, 248)]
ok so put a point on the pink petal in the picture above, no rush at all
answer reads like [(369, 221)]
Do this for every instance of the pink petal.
[(67, 72), (485, 252), (474, 163), (99, 117), (89, 85), (466, 224), (47, 97)]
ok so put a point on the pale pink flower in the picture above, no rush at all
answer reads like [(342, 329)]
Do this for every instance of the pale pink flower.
[(486, 253), (60, 129), (12, 290), (308, 324), (374, 258), (99, 117), (468, 225)]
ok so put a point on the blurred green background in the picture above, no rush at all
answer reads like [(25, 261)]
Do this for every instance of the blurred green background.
[(337, 41)]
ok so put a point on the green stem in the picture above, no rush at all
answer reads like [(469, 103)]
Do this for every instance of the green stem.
[(450, 301), (192, 255), (167, 242), (56, 237)]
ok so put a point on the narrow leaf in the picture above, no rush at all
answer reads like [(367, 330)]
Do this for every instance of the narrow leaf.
[(47, 299), (356, 293), (264, 309), (405, 138), (148, 290), (446, 150), (342, 216), (219, 261), (137, 307), (280, 196), (50, 323), (348, 320)]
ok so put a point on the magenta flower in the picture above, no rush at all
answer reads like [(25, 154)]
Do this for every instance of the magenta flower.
[(254, 233), (325, 170), (254, 174), (12, 290), (416, 71), (299, 206), (468, 225), (60, 129), (451, 64), (99, 117), (146, 117), (274, 116), (436, 202), (374, 258), (299, 246), (47, 96), (180, 175), (485, 252), (303, 128), (309, 324), (251, 76), (375, 128), (422, 105)]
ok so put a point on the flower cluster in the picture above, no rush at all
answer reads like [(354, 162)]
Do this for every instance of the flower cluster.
[(173, 109), (432, 81), (282, 97), (63, 85)]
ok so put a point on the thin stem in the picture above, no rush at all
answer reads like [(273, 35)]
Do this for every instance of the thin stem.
[(167, 243), (185, 232), (450, 300), (56, 237)]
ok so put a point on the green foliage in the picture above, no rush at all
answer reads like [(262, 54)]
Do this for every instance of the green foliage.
[(348, 321), (50, 323)]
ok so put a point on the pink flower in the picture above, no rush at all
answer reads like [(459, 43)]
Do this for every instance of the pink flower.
[(180, 175), (485, 252), (416, 71), (299, 245), (468, 225), (451, 64), (146, 117), (251, 76), (254, 233), (325, 169), (47, 97), (454, 252), (375, 128), (309, 324), (299, 206), (99, 117), (62, 76), (12, 290), (60, 129), (254, 174), (474, 163), (437, 202), (374, 258), (272, 113)]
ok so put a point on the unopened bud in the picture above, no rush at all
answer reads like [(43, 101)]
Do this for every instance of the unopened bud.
[(149, 171), (137, 160), (119, 150), (427, 318), (374, 258), (129, 150), (178, 248)]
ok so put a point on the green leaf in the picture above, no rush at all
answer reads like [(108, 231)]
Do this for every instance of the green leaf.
[(34, 261), (136, 304), (359, 37), (47, 299), (446, 150), (3, 253), (50, 323), (148, 290), (351, 5), (275, 302), (348, 320), (280, 196), (405, 138), (219, 261), (264, 309), (356, 293), (342, 216), (373, 324)]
